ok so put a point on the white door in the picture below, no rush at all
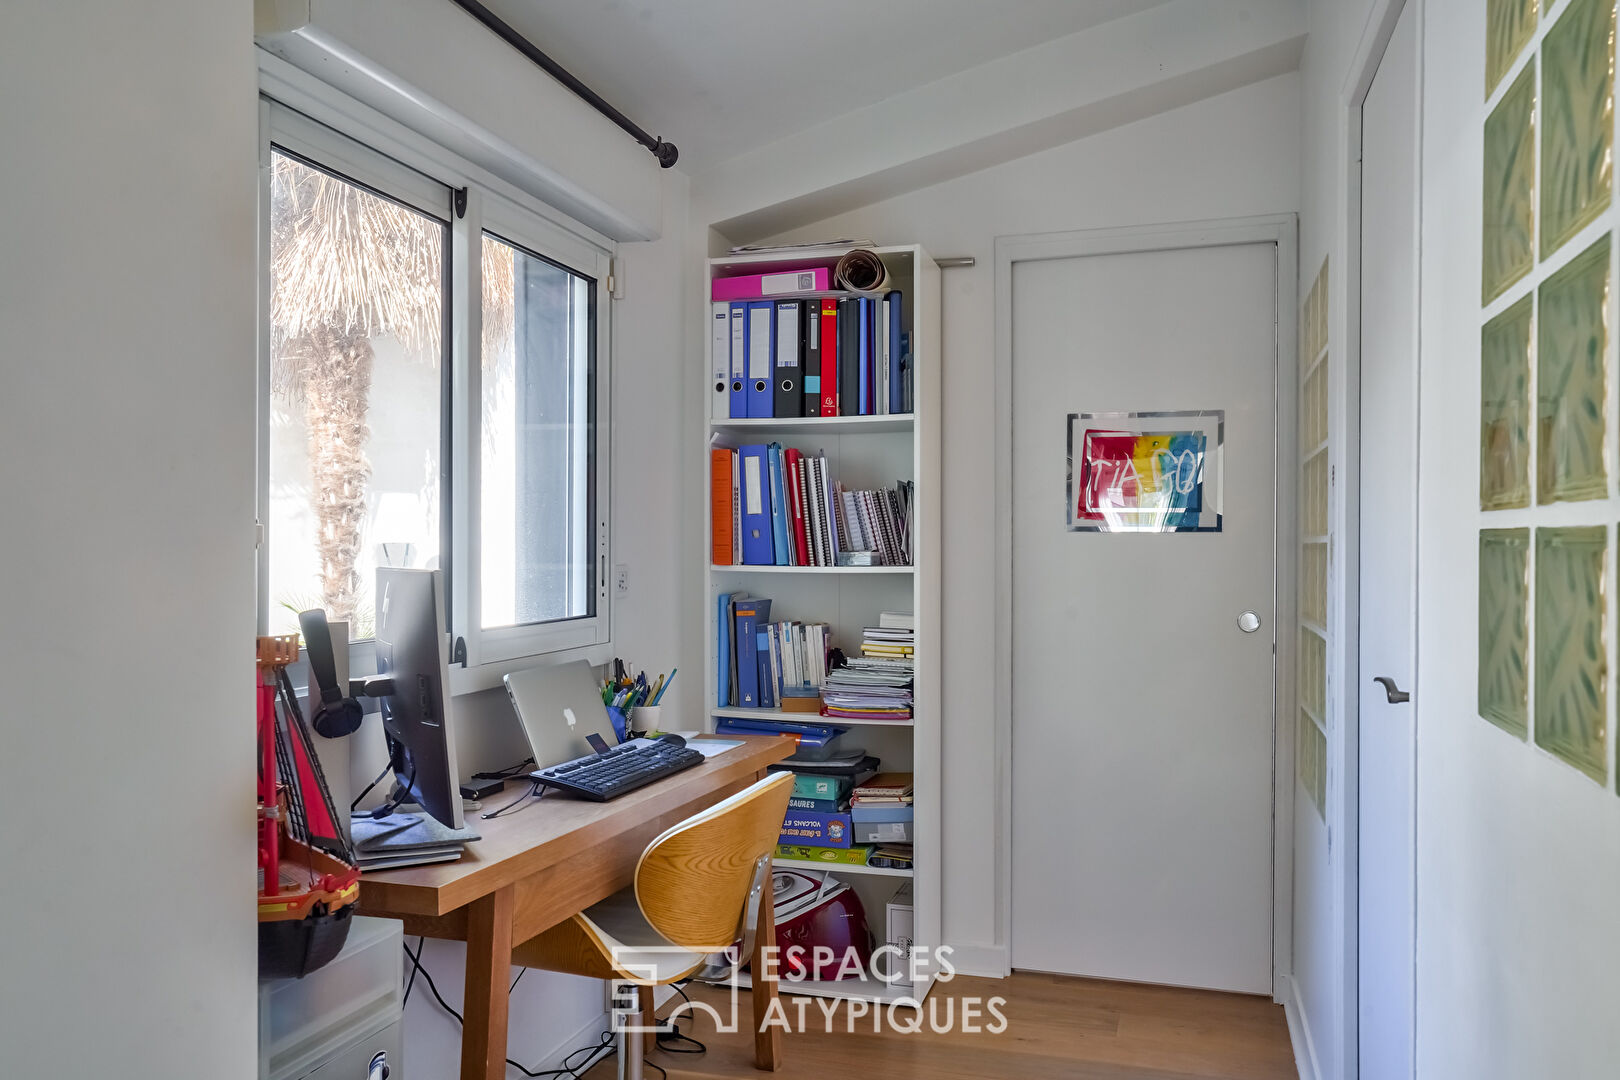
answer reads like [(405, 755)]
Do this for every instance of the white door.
[(1388, 572), (1142, 713)]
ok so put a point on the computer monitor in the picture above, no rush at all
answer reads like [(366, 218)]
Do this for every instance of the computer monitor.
[(413, 650)]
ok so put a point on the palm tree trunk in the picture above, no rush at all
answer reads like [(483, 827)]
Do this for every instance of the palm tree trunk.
[(337, 393)]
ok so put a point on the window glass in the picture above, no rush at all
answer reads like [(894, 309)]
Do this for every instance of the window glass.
[(357, 288), (537, 462)]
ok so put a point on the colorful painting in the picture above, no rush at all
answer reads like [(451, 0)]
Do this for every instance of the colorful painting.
[(1145, 472)]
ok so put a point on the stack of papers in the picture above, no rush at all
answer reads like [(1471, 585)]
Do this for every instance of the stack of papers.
[(877, 684), (869, 689)]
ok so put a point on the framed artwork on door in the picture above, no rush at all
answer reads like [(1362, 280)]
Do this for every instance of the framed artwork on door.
[(1145, 471)]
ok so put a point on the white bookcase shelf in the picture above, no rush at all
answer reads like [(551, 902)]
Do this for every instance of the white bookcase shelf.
[(782, 714), (872, 871), (824, 571), (818, 425), (865, 451)]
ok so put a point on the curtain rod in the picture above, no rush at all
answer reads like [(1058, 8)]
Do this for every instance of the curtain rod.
[(665, 152)]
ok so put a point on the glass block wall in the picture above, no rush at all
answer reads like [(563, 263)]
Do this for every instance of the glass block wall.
[(1546, 478), (1315, 552)]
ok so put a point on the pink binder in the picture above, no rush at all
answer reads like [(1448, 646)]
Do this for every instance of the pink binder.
[(809, 279)]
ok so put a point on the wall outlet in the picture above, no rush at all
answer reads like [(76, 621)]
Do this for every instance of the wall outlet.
[(621, 580)]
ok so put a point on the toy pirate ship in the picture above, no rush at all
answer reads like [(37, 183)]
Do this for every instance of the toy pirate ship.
[(308, 882)]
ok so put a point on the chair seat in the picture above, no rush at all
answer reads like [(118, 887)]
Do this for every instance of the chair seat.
[(610, 940), (621, 926)]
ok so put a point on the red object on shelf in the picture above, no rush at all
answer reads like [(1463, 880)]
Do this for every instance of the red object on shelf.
[(269, 808)]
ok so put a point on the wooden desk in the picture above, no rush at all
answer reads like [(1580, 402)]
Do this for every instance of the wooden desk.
[(536, 867)]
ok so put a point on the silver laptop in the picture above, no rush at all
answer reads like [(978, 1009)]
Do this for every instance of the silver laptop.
[(558, 707)]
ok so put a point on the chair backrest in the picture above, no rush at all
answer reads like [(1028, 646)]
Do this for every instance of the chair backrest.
[(692, 881)]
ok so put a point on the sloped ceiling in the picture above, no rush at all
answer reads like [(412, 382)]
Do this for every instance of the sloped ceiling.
[(720, 77), (787, 114)]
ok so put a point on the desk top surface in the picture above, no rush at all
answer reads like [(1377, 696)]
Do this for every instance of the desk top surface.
[(554, 828)]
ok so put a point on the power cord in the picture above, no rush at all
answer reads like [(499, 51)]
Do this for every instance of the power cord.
[(508, 773), (354, 805), (674, 1041), (606, 1046), (537, 788)]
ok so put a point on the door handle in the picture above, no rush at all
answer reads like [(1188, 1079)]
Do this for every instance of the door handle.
[(1394, 694)]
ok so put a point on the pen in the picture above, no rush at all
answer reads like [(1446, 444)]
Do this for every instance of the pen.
[(665, 685)]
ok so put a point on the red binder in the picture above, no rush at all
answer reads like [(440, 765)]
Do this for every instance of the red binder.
[(795, 485), (829, 358), (720, 506)]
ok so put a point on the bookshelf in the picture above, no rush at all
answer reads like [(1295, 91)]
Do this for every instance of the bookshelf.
[(864, 451)]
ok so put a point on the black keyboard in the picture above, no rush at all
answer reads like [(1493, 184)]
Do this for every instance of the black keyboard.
[(600, 777)]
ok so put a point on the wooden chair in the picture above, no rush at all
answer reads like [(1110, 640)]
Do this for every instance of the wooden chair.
[(700, 888)]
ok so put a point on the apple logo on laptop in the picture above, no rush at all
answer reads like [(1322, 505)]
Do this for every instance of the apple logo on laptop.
[(568, 715)]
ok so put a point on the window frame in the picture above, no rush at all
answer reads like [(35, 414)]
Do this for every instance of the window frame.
[(336, 133)]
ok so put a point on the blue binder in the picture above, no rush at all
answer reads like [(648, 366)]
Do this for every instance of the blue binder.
[(758, 539), (760, 347), (897, 370), (722, 650), (779, 508), (739, 338), (751, 615), (767, 669), (867, 405)]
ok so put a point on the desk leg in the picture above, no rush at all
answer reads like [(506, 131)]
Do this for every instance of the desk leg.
[(767, 1040), (489, 965)]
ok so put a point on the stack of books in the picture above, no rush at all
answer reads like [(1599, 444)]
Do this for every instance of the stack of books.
[(772, 505), (768, 665), (881, 815), (893, 638), (876, 685), (818, 826)]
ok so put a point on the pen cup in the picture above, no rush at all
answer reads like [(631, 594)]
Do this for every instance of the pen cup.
[(648, 718)]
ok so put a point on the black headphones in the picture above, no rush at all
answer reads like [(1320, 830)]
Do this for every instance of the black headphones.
[(336, 714)]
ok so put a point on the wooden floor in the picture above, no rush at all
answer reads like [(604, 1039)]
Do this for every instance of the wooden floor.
[(1057, 1029)]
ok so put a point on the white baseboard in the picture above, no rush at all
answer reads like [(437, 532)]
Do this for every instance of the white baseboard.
[(989, 961), (1299, 1031), (587, 1035)]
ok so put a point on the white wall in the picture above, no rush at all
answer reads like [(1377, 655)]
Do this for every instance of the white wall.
[(126, 468), (1518, 853), (1232, 155)]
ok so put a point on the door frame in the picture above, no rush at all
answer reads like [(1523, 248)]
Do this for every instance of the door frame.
[(1346, 593), (1283, 231)]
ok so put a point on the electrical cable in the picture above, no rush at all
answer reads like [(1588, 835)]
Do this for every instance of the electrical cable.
[(536, 789), (508, 773), (406, 1000), (367, 791), (607, 1042), (399, 797), (674, 1040)]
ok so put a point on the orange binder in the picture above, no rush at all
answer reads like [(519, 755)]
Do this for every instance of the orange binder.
[(720, 504)]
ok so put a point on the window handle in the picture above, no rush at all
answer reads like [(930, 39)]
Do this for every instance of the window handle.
[(458, 652), (1394, 694)]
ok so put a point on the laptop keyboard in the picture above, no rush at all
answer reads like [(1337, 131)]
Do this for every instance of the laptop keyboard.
[(600, 777)]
